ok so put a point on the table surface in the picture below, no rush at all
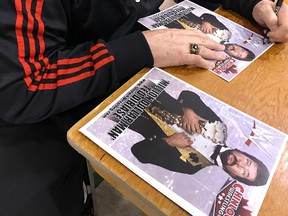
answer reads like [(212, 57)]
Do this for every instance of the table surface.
[(261, 91)]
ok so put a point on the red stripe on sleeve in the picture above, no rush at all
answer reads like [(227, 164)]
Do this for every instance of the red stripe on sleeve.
[(51, 86), (30, 26), (76, 78), (103, 62), (96, 46), (72, 60), (74, 69), (41, 28), (100, 53), (52, 66), (42, 70), (20, 40), (66, 81)]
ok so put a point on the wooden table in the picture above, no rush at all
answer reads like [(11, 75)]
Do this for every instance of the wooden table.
[(261, 90)]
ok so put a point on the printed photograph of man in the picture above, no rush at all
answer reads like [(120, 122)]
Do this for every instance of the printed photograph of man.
[(185, 136), (207, 23), (244, 167), (239, 52)]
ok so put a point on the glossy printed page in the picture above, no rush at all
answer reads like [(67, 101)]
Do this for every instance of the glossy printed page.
[(243, 46), (226, 166)]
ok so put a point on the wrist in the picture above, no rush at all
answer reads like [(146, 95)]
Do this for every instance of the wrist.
[(166, 139)]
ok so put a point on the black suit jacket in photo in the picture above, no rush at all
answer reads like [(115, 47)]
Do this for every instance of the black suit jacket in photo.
[(153, 149), (206, 17)]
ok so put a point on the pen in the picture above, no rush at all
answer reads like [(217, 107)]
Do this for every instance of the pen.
[(278, 6), (276, 10)]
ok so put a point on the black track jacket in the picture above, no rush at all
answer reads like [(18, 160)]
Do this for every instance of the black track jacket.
[(58, 54)]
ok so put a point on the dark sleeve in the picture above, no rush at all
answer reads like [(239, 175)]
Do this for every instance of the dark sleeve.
[(174, 24), (243, 7), (41, 75), (191, 100), (212, 20), (169, 103), (132, 53), (192, 17), (153, 131), (159, 153)]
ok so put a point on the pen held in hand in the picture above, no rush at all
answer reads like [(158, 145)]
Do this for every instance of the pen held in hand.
[(278, 6), (276, 11)]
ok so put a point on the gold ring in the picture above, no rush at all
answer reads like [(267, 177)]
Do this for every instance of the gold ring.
[(194, 48)]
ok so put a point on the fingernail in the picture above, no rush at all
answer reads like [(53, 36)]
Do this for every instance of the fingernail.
[(222, 55)]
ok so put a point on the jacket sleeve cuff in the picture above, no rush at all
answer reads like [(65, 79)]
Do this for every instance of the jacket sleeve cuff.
[(243, 7), (132, 53)]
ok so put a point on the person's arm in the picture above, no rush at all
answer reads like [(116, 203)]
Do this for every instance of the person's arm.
[(41, 75)]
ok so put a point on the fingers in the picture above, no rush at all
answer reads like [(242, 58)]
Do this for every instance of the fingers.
[(279, 32), (187, 127), (202, 63), (208, 51), (190, 148), (191, 128), (199, 61), (196, 36), (271, 21), (264, 14), (203, 119), (188, 142), (196, 129), (180, 140), (185, 140), (279, 35), (171, 47), (207, 42)]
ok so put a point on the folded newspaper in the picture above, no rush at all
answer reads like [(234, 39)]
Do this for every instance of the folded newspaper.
[(206, 156), (242, 46)]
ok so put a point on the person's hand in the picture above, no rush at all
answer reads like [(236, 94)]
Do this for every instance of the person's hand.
[(190, 121), (180, 140), (263, 13), (207, 28), (170, 47)]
